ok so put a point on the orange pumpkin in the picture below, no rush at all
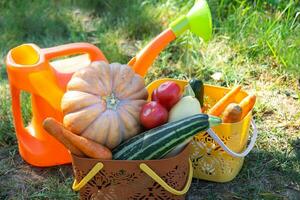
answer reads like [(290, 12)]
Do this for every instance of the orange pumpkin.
[(103, 102)]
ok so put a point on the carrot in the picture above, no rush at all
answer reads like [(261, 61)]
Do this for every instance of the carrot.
[(88, 147), (247, 104), (232, 113), (218, 108), (57, 132)]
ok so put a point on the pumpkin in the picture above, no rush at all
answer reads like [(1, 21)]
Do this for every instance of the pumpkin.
[(103, 103)]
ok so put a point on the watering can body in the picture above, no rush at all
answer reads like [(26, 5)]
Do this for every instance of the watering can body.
[(30, 69)]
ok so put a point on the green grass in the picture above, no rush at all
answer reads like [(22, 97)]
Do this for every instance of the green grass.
[(256, 43)]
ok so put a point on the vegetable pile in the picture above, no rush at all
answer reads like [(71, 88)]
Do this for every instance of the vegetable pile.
[(107, 116)]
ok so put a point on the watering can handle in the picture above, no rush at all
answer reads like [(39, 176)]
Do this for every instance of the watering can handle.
[(228, 150), (16, 109), (74, 48)]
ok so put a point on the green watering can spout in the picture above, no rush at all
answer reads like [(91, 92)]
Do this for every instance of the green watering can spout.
[(198, 21)]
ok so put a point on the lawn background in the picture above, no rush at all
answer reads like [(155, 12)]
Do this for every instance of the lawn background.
[(255, 43)]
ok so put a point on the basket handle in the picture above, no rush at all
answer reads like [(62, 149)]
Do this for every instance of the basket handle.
[(77, 186), (145, 168), (228, 150), (163, 184)]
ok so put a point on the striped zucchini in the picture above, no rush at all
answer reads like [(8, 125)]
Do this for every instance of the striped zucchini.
[(158, 142)]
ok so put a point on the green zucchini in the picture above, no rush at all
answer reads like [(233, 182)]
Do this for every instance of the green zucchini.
[(198, 88), (158, 142)]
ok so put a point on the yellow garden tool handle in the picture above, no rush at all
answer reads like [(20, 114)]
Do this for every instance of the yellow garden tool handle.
[(77, 186), (163, 184)]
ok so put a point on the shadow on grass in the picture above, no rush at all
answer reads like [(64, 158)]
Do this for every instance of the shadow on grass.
[(20, 180), (265, 175), (58, 22), (31, 22), (134, 17), (296, 147)]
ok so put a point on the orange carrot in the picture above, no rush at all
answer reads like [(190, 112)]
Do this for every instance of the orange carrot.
[(218, 108), (88, 147), (232, 113), (247, 104), (57, 132)]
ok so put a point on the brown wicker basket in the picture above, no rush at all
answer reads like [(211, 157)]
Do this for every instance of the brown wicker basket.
[(121, 180)]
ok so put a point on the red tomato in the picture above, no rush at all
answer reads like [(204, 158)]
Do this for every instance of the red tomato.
[(153, 114), (167, 94), (154, 96)]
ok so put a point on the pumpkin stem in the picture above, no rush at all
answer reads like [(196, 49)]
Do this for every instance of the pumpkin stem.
[(111, 101)]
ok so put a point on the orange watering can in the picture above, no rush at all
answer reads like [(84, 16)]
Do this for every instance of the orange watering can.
[(30, 69)]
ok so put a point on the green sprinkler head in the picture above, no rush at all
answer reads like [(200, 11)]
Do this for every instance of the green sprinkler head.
[(198, 21)]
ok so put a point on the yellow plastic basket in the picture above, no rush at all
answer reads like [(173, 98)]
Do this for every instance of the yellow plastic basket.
[(218, 154)]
